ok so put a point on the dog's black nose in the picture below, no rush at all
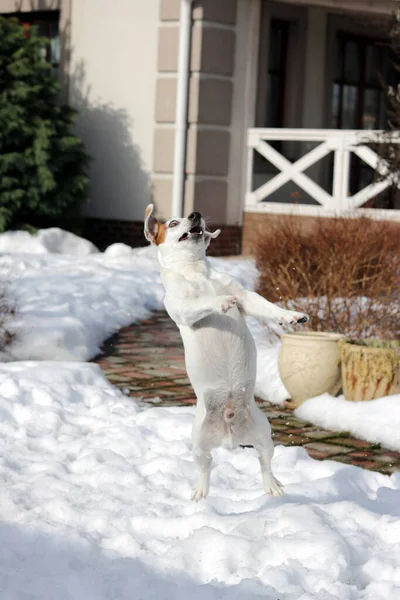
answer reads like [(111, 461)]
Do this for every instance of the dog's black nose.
[(194, 216)]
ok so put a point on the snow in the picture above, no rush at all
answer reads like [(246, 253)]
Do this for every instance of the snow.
[(377, 421), (68, 304), (95, 489), (52, 240), (94, 503)]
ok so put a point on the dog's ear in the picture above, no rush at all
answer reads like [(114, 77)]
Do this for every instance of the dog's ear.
[(151, 225), (208, 236), (154, 231)]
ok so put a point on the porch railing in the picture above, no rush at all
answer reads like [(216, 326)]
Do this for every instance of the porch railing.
[(342, 143)]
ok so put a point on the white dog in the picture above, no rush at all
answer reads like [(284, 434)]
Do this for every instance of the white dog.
[(220, 354)]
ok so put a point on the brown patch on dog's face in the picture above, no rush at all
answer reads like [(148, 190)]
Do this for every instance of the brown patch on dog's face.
[(161, 234)]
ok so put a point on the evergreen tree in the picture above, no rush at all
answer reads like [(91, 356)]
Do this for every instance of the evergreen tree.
[(43, 165)]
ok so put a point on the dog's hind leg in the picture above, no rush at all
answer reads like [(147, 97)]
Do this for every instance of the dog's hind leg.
[(203, 460), (271, 485), (202, 455), (265, 447)]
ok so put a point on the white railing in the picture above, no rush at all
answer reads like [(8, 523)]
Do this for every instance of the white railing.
[(341, 143)]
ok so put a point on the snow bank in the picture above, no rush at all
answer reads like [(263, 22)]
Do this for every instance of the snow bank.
[(377, 421), (94, 503), (67, 306), (44, 241)]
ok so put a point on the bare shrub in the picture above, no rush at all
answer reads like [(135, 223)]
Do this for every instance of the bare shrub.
[(7, 312), (345, 273)]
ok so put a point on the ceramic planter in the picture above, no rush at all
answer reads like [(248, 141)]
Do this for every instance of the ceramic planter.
[(309, 364), (369, 371)]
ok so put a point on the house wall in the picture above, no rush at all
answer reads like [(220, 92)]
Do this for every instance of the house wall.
[(211, 104), (317, 26), (113, 47), (119, 68), (212, 64), (244, 86)]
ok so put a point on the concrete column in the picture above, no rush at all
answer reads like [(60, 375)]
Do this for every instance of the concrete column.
[(165, 105), (245, 83), (209, 110)]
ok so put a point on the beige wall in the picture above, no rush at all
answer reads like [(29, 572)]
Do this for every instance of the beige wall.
[(112, 81), (243, 104)]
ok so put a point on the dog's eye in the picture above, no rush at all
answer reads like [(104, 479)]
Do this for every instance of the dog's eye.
[(173, 224)]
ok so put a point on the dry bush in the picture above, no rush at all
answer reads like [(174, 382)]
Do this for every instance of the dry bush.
[(7, 312), (344, 273)]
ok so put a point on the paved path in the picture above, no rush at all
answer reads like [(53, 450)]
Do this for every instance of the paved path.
[(146, 361)]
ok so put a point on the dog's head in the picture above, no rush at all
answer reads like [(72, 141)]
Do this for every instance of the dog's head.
[(185, 239)]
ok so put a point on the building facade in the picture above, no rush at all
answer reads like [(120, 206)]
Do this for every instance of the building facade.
[(252, 67)]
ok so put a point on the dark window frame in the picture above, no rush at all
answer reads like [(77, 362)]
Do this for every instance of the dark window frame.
[(280, 72), (45, 19), (363, 42), (359, 172)]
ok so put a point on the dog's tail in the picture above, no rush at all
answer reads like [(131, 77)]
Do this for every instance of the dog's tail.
[(229, 413)]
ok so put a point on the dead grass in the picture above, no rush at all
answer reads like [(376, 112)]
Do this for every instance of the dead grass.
[(345, 273)]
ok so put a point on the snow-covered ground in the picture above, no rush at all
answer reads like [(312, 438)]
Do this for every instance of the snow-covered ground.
[(70, 298), (94, 506), (377, 421), (94, 493)]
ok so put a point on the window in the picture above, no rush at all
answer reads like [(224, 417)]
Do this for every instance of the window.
[(277, 60), (358, 97), (359, 100), (48, 26), (275, 74)]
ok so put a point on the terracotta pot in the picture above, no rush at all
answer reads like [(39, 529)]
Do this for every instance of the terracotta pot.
[(309, 364), (369, 372)]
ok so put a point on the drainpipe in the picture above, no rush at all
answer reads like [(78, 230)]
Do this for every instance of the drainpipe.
[(182, 94)]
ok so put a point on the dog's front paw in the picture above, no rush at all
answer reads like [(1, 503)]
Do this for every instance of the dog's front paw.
[(293, 318), (225, 303)]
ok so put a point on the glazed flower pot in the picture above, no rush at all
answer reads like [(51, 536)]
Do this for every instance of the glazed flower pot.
[(369, 371), (309, 364)]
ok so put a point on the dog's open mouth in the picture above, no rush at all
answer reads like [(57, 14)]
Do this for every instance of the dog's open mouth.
[(195, 232)]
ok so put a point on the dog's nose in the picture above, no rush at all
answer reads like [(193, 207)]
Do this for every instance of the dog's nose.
[(194, 216)]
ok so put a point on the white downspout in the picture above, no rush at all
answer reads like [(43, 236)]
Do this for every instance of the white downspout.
[(182, 94)]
